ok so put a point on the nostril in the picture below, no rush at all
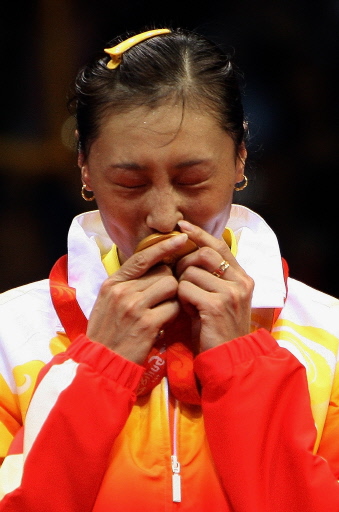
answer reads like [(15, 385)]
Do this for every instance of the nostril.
[(159, 223), (164, 210)]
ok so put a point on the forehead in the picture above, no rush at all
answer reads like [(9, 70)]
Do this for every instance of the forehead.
[(168, 124)]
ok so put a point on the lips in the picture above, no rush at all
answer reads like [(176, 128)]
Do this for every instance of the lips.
[(171, 259)]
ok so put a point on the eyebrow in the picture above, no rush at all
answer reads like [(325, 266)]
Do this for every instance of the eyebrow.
[(191, 163), (137, 167), (128, 166)]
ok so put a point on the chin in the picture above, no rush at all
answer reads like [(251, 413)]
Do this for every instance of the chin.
[(216, 226), (124, 252)]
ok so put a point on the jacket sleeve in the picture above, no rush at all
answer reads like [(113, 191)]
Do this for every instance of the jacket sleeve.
[(258, 419), (80, 405), (329, 447)]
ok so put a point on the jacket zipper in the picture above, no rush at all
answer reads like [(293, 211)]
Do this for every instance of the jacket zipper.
[(175, 464)]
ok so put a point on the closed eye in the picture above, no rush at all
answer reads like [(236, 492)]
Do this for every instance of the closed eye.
[(131, 185), (191, 183), (127, 175), (193, 177)]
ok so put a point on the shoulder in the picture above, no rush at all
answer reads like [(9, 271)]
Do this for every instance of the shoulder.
[(28, 322), (25, 296), (303, 292), (311, 308)]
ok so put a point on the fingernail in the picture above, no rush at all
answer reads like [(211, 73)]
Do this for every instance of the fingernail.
[(177, 240), (187, 226)]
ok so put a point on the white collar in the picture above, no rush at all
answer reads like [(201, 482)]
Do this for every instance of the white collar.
[(258, 253)]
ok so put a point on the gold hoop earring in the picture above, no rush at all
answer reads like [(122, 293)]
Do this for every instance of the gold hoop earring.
[(86, 197), (244, 184)]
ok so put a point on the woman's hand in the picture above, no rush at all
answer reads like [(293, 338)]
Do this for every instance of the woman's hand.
[(222, 305), (135, 302)]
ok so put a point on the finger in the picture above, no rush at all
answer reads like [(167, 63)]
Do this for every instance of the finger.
[(153, 275), (138, 264), (165, 312), (209, 260), (193, 294), (216, 295), (202, 238), (161, 290), (205, 280), (135, 343)]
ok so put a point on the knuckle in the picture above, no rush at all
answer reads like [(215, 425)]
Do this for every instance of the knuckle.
[(189, 272), (134, 268), (140, 262), (220, 246), (145, 322), (248, 285), (206, 253), (172, 280), (169, 286), (106, 287), (245, 284), (243, 293), (217, 304), (131, 306), (116, 293), (239, 293)]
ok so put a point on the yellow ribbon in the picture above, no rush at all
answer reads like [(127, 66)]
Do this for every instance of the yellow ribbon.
[(116, 51)]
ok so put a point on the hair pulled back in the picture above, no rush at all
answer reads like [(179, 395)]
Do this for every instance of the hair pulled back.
[(181, 65)]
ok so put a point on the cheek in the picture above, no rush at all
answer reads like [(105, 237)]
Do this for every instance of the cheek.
[(123, 223), (116, 218), (213, 203), (213, 213), (216, 225)]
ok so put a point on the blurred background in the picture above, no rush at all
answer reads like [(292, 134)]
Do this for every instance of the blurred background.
[(288, 52)]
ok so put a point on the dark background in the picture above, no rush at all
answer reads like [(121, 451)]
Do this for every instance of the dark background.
[(288, 51)]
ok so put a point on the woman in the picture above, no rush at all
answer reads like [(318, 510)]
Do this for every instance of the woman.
[(200, 382)]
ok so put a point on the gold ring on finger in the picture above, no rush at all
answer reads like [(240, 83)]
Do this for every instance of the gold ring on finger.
[(221, 269)]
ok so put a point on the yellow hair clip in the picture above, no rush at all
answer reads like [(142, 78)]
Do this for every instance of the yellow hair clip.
[(116, 51)]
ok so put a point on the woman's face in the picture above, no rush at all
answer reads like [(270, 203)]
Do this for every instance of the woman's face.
[(150, 168)]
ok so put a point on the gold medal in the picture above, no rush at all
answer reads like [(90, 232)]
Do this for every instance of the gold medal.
[(171, 259)]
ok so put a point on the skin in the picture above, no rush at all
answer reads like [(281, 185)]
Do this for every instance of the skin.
[(156, 171)]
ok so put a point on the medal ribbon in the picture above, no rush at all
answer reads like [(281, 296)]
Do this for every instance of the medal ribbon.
[(175, 361)]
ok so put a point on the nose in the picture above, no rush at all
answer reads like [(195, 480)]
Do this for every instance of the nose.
[(164, 211)]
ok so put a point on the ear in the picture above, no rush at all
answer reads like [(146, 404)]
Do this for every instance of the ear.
[(240, 163), (85, 176), (82, 165), (81, 154), (81, 159)]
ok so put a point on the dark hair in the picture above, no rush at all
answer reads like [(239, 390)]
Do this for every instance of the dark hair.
[(180, 64)]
